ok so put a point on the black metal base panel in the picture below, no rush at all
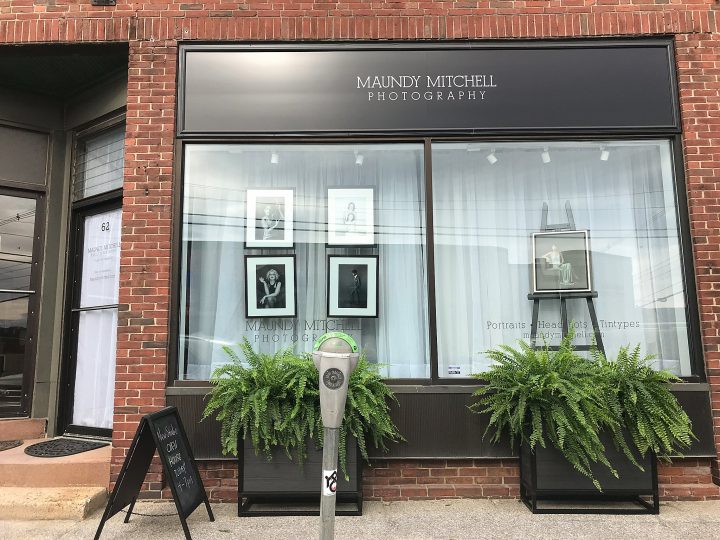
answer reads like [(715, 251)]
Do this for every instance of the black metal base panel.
[(643, 494), (596, 504)]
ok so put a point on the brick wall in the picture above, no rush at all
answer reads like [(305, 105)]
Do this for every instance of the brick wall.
[(402, 480), (153, 30), (393, 480), (144, 294)]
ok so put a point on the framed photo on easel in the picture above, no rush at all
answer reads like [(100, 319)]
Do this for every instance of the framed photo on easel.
[(561, 262)]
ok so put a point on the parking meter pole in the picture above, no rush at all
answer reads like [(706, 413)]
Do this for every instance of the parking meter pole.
[(335, 355), (328, 500)]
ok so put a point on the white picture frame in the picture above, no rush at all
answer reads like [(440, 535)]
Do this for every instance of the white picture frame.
[(269, 219), (351, 216)]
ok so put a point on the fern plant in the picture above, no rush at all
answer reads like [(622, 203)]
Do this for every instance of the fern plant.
[(650, 413), (541, 396), (274, 400)]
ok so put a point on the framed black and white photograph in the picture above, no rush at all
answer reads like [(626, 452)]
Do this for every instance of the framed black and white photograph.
[(269, 218), (353, 286), (351, 217), (561, 262), (270, 286)]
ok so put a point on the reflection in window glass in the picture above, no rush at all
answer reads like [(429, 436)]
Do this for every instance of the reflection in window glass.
[(488, 202), (271, 202), (99, 163), (17, 226), (17, 223), (13, 347)]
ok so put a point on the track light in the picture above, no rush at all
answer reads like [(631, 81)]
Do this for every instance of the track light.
[(545, 155), (359, 158), (491, 157), (274, 158), (604, 154)]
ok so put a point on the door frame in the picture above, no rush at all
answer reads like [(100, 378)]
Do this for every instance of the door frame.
[(111, 200), (29, 362)]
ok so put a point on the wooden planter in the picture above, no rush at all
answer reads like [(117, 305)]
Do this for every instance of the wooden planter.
[(545, 475), (281, 487)]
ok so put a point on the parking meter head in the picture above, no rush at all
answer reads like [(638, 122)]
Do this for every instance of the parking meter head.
[(334, 371), (336, 342)]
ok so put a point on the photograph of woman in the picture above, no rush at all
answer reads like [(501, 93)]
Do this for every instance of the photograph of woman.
[(270, 291), (555, 259), (271, 223), (349, 219), (561, 261)]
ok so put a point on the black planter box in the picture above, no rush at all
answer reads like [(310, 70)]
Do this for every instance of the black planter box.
[(545, 475), (281, 487)]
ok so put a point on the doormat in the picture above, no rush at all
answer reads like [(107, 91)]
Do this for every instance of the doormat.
[(62, 447), (7, 445)]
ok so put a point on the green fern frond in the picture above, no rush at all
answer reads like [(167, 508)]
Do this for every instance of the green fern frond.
[(274, 401)]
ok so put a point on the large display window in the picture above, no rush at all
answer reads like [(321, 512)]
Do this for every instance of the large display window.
[(282, 243), (515, 218)]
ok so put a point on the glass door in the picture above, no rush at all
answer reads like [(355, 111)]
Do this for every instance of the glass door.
[(94, 315), (18, 215)]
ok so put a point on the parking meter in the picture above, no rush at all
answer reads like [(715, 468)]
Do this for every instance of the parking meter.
[(335, 355)]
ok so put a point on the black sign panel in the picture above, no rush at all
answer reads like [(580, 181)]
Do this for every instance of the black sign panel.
[(520, 87), (162, 431)]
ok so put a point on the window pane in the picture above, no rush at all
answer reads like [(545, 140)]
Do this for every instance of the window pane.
[(230, 210), (17, 223), (95, 371), (13, 344), (488, 202), (99, 163)]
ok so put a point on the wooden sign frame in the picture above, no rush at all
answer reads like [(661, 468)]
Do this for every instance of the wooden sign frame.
[(137, 461)]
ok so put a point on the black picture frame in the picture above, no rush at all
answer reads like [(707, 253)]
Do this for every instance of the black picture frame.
[(256, 265), (353, 286)]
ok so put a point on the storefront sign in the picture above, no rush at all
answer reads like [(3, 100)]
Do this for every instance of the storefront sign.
[(162, 431), (519, 87)]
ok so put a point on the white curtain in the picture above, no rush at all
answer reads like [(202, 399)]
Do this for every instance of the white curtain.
[(97, 329), (484, 217), (216, 180)]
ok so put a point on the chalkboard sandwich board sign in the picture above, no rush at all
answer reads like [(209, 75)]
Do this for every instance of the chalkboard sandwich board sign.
[(162, 431)]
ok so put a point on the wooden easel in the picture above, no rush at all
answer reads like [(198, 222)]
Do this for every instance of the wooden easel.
[(563, 296)]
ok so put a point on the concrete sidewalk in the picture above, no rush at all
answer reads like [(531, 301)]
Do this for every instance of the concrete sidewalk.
[(447, 519)]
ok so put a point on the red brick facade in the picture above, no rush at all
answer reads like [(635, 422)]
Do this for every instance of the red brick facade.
[(153, 31), (403, 480)]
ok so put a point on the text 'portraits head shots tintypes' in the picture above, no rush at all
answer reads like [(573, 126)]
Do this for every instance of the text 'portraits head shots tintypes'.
[(561, 262), (269, 218), (270, 286), (352, 286), (351, 217)]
